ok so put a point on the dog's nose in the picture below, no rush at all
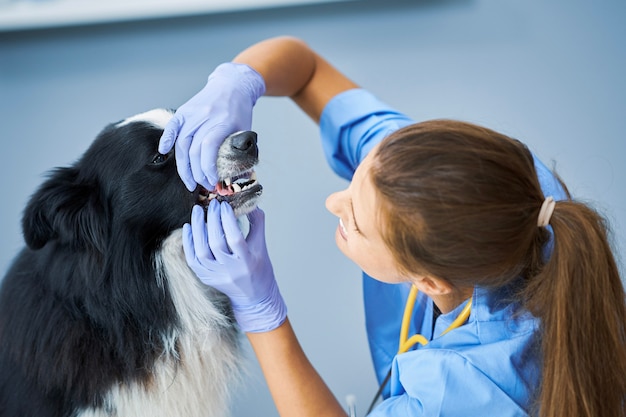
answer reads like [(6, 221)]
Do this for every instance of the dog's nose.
[(245, 142)]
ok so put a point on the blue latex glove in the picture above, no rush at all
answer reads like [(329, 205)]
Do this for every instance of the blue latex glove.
[(239, 267), (221, 108)]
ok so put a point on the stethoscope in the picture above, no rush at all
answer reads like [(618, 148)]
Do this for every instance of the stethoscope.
[(407, 342)]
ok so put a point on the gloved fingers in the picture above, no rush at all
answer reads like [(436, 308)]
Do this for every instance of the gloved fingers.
[(208, 160), (206, 273), (232, 232), (256, 235), (174, 134), (195, 156), (183, 165), (212, 138), (203, 155), (217, 240), (166, 143), (200, 236)]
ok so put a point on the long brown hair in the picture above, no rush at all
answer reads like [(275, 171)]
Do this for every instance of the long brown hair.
[(460, 202)]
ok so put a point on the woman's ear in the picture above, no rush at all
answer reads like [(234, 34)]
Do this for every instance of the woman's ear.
[(445, 295), (433, 286)]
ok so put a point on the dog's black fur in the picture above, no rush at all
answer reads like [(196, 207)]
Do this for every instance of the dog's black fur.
[(82, 309)]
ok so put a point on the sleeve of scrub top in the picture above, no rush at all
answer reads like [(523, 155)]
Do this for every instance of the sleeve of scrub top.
[(351, 124)]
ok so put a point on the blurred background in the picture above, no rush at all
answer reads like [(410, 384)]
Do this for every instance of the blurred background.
[(548, 73)]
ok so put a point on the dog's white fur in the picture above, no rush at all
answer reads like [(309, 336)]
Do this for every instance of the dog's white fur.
[(157, 117), (195, 379)]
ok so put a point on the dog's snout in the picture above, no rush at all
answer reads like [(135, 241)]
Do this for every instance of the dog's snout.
[(245, 142)]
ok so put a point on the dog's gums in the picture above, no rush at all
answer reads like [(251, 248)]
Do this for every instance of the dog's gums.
[(238, 185), (226, 189)]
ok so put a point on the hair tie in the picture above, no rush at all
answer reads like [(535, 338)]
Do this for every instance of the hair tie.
[(546, 212)]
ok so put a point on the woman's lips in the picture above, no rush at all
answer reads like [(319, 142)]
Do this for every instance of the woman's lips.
[(342, 230)]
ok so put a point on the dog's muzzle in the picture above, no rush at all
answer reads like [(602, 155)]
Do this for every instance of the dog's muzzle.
[(237, 184)]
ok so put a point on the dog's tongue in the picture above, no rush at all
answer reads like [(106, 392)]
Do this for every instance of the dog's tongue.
[(224, 191)]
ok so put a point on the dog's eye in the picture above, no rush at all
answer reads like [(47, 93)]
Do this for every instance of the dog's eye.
[(159, 158)]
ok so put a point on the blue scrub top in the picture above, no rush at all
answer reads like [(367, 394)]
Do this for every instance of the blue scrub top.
[(488, 366)]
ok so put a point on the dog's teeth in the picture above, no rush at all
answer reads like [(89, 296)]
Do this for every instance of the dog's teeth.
[(236, 187), (253, 176), (248, 186), (212, 196), (228, 181)]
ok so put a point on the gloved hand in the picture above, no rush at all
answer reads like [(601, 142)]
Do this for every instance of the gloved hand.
[(222, 107), (239, 267)]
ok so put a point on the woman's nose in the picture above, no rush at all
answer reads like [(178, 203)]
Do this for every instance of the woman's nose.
[(334, 202)]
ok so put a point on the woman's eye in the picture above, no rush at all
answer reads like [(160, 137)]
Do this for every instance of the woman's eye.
[(159, 158)]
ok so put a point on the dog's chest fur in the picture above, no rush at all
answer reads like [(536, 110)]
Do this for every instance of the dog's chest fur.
[(201, 363)]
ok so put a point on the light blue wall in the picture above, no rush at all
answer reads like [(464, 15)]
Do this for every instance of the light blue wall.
[(550, 73)]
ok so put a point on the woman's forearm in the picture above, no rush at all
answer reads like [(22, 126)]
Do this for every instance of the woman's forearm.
[(295, 385), (290, 68), (285, 63)]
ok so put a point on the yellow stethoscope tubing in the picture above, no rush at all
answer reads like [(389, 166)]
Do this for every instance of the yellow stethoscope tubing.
[(407, 342)]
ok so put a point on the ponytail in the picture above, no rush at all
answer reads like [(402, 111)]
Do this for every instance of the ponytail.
[(579, 297), (463, 203)]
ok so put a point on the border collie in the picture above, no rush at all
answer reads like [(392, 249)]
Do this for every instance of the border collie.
[(100, 316)]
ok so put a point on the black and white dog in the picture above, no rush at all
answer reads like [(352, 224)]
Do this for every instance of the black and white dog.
[(100, 314)]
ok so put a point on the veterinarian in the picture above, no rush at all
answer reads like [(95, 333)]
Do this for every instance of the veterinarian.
[(514, 304)]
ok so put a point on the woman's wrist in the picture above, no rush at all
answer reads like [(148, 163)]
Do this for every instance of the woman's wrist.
[(263, 316), (245, 77), (296, 387), (286, 64)]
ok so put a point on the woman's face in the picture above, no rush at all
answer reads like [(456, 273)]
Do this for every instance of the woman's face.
[(358, 233)]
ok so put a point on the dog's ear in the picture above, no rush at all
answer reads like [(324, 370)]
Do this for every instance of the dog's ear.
[(66, 210)]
